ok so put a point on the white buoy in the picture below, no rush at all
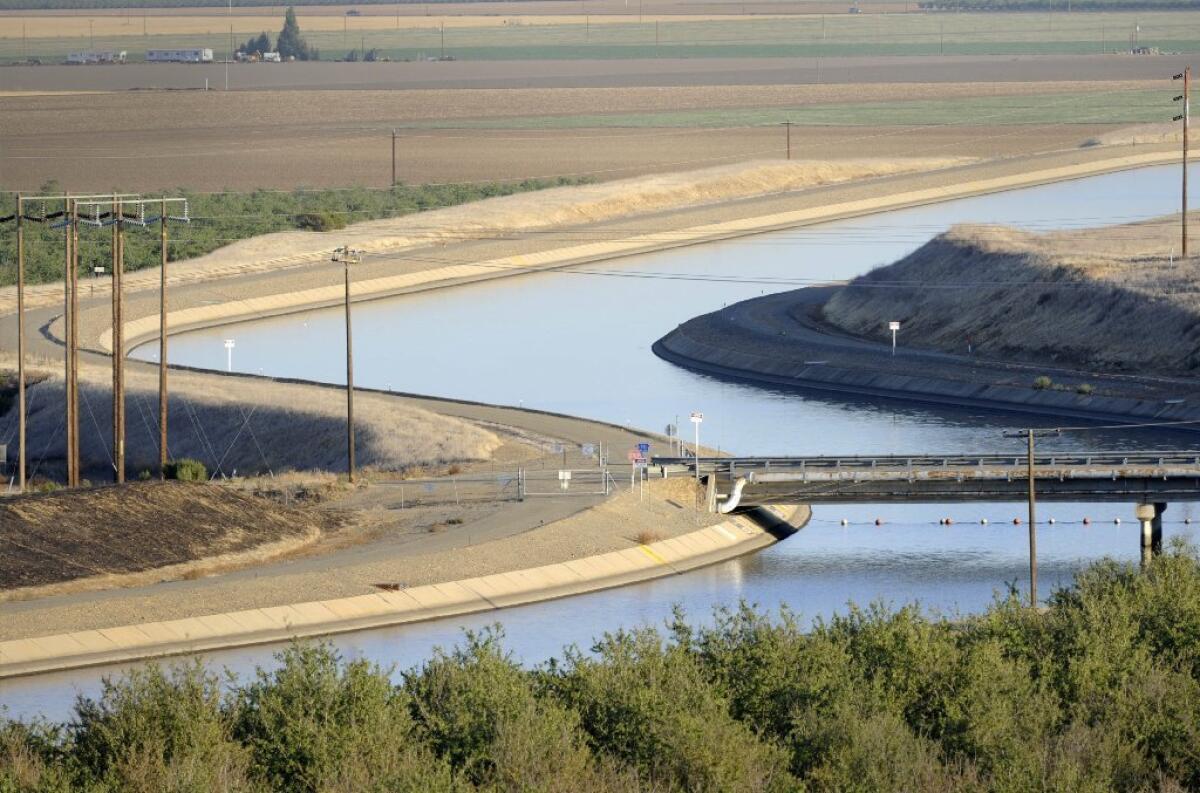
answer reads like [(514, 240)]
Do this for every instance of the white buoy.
[(1051, 521), (983, 521), (1116, 521), (845, 522)]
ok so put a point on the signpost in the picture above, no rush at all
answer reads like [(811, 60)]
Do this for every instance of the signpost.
[(893, 326), (229, 344)]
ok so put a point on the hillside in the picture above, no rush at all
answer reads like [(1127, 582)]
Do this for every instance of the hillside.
[(1114, 298)]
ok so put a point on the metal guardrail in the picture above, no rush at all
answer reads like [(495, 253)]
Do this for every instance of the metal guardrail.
[(929, 461)]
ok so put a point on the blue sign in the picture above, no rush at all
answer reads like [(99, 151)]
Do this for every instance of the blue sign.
[(643, 447)]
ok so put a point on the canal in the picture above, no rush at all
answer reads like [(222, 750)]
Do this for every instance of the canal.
[(578, 341)]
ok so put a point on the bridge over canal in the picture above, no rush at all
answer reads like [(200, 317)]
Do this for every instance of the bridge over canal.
[(1148, 479)]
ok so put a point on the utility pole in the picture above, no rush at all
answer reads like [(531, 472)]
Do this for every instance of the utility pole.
[(393, 156), (227, 60), (1186, 76), (73, 344), (20, 343), (1029, 472), (348, 256), (788, 126), (68, 321), (1032, 527), (162, 345), (118, 352)]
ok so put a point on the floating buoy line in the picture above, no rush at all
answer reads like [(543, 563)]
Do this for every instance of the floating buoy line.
[(1085, 521)]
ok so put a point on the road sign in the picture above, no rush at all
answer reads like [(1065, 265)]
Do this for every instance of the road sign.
[(697, 417), (564, 479), (639, 462), (588, 449), (893, 325), (643, 448)]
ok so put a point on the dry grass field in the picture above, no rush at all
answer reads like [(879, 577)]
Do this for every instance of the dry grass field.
[(281, 140), (1117, 298)]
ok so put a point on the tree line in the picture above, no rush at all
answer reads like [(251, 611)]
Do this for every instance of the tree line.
[(221, 218), (1098, 692)]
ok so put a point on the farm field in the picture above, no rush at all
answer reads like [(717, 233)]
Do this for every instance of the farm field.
[(284, 140), (639, 33)]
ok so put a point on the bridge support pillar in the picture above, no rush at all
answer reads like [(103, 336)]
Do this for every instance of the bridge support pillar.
[(1150, 516), (710, 493)]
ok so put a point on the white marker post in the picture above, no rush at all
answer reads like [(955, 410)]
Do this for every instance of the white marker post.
[(229, 355), (893, 326), (697, 418)]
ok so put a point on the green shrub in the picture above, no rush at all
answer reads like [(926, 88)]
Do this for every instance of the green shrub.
[(187, 470), (320, 221), (316, 724), (1085, 389), (152, 730), (1042, 383)]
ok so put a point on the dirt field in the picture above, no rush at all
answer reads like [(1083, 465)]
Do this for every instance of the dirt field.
[(243, 140), (583, 72), (55, 538)]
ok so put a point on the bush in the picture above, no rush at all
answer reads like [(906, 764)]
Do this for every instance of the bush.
[(1084, 389), (1042, 383), (320, 221), (187, 470)]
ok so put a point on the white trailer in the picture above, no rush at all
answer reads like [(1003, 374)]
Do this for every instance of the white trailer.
[(195, 55)]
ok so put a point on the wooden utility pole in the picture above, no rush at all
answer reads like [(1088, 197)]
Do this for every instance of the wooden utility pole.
[(393, 156), (73, 345), (1033, 599), (346, 257), (118, 339), (68, 321), (162, 345), (20, 344), (1187, 79), (787, 125)]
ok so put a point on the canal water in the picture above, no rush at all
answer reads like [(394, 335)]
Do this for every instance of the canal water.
[(578, 341)]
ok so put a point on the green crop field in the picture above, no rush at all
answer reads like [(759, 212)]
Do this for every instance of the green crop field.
[(1101, 107), (807, 36)]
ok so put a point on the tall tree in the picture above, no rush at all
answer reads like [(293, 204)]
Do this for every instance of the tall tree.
[(290, 43)]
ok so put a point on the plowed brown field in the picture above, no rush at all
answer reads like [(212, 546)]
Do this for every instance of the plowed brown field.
[(246, 140)]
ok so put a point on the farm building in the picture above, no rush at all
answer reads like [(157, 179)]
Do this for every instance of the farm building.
[(197, 55)]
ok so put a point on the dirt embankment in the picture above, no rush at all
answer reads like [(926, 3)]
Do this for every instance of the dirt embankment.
[(1117, 298), (89, 539)]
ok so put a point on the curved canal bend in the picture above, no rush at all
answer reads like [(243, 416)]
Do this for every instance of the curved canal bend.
[(578, 341)]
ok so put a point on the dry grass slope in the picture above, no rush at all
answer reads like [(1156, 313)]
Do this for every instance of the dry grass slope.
[(244, 425), (1115, 298), (566, 206)]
